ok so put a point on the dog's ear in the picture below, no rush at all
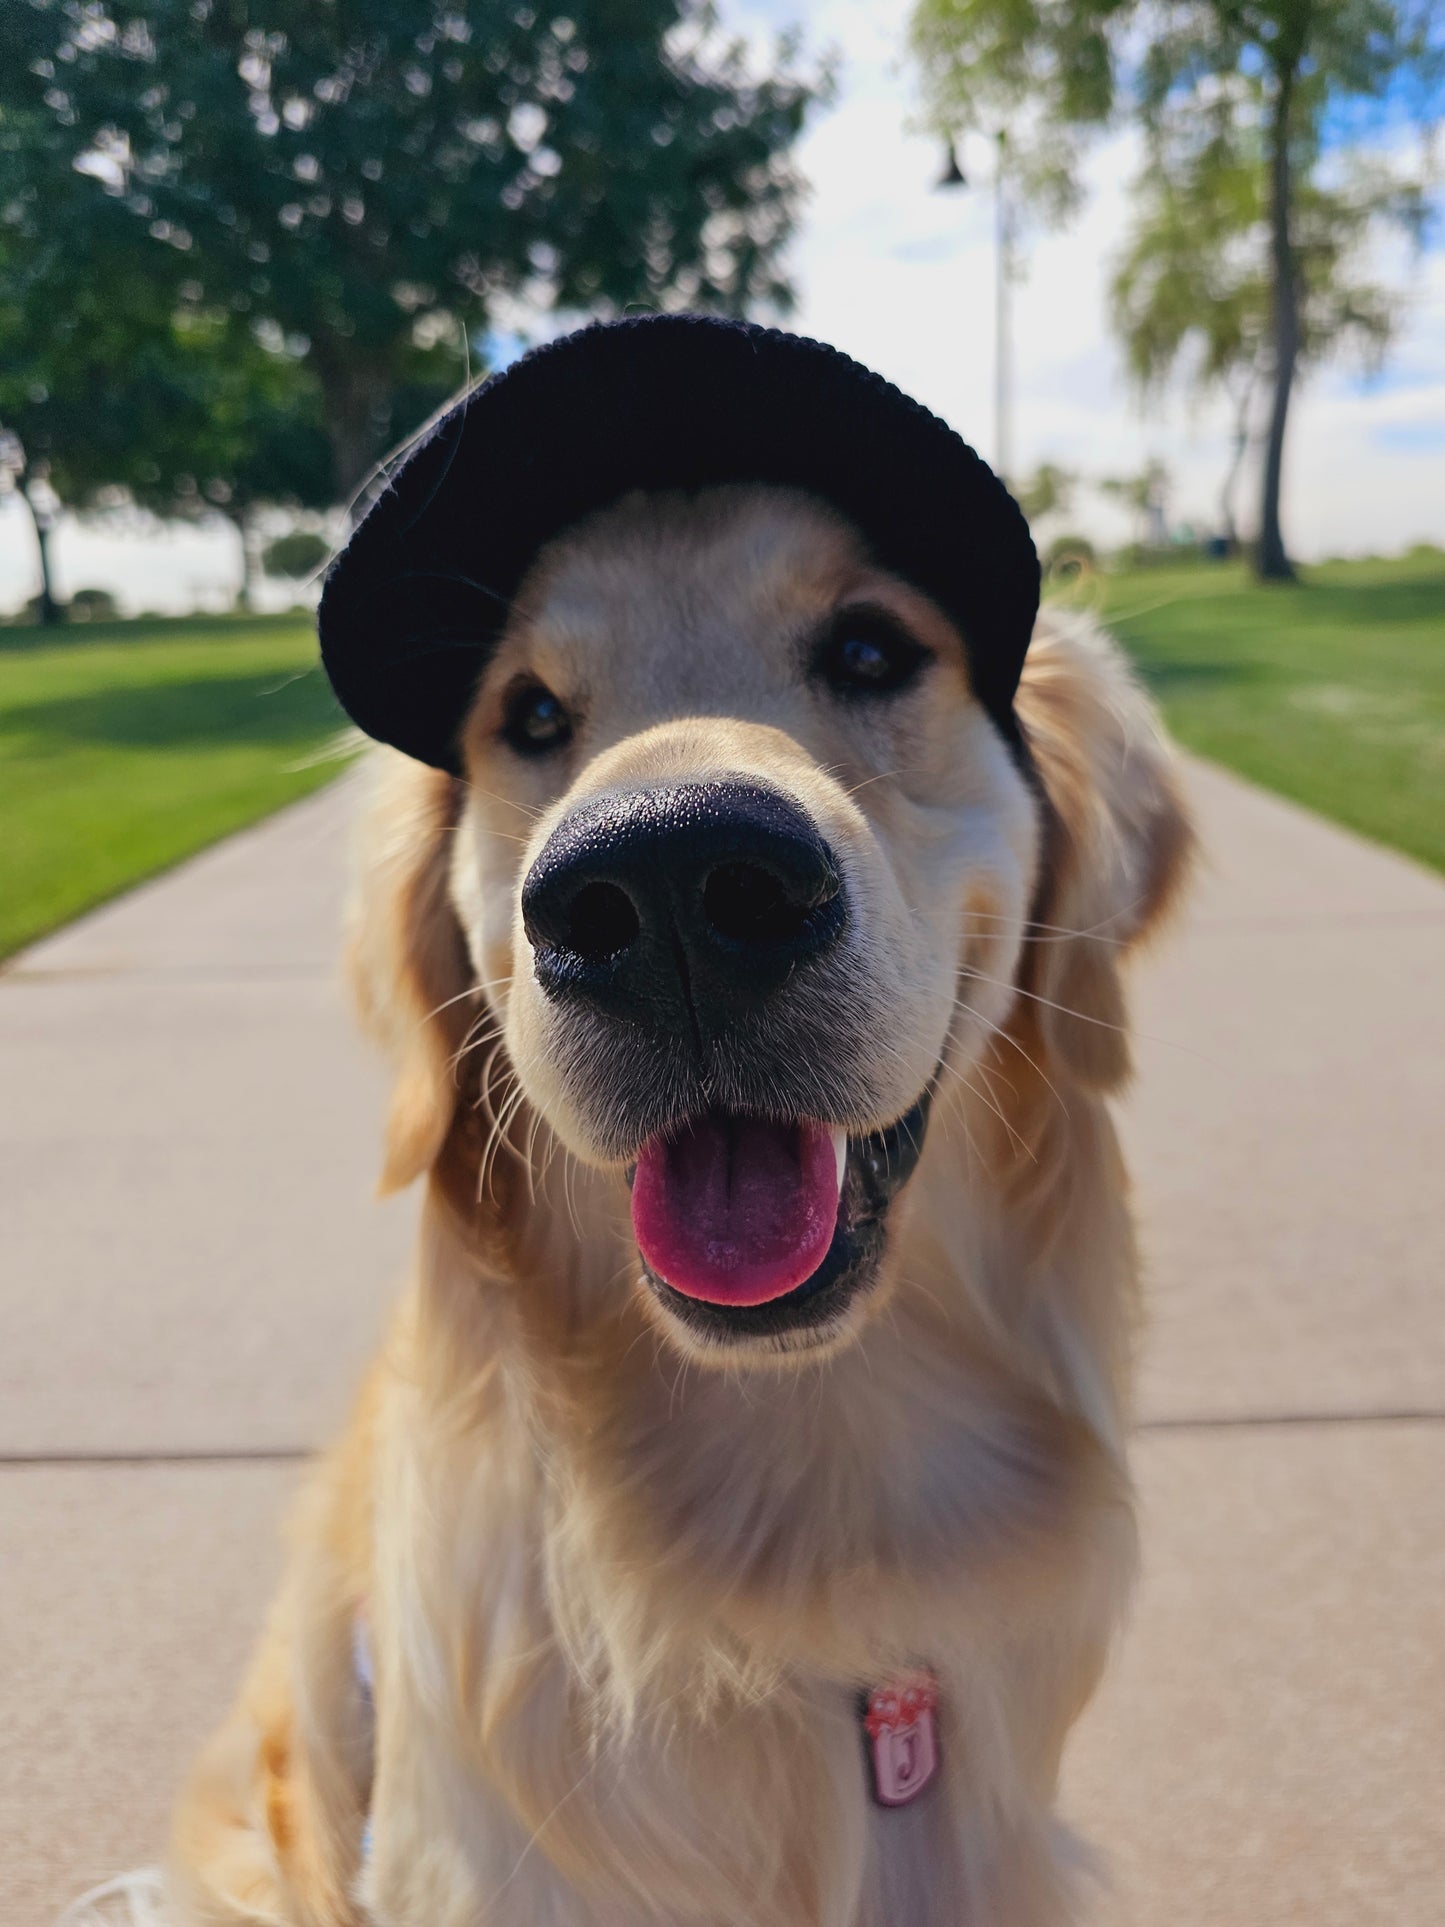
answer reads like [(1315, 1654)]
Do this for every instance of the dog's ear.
[(1117, 840), (407, 957)]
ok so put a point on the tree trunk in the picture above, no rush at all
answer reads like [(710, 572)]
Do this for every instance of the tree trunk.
[(1229, 524), (353, 399), (1002, 345), (44, 520), (246, 594), (1272, 563)]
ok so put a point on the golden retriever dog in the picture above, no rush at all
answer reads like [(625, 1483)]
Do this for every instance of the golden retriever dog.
[(737, 1517)]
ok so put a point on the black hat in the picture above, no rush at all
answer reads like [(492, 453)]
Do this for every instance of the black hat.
[(416, 600)]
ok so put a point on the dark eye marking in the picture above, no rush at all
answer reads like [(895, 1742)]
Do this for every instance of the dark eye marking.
[(866, 651), (534, 721)]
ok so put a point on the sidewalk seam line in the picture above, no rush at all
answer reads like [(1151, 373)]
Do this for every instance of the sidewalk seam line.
[(297, 1454), (1245, 1421), (223, 1455)]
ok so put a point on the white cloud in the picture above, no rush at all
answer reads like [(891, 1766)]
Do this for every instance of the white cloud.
[(901, 275)]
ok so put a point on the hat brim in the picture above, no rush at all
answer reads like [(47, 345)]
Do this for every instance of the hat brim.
[(415, 602)]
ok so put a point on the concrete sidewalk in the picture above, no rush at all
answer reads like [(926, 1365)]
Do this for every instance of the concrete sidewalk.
[(193, 1272)]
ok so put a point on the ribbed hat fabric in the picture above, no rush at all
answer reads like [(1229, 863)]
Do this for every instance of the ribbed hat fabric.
[(416, 600)]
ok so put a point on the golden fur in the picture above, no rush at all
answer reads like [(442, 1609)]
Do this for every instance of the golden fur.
[(622, 1591)]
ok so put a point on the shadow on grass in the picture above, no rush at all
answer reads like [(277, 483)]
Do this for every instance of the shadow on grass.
[(1369, 606), (260, 710), (1165, 675), (21, 639)]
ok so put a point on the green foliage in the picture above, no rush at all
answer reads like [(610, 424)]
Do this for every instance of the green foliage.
[(92, 605), (1146, 495), (116, 382), (1048, 491), (1152, 556), (1042, 69), (363, 186), (125, 748), (1057, 72), (1246, 232), (1194, 290), (1193, 285), (97, 388), (1139, 491), (295, 556)]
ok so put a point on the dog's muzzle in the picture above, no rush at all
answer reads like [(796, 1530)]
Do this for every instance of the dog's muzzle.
[(696, 929)]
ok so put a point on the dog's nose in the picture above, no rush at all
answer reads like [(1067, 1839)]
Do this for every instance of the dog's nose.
[(690, 903)]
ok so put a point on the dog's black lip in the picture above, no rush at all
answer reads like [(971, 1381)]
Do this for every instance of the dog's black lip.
[(878, 1167)]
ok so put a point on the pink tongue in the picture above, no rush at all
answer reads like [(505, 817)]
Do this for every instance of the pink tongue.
[(736, 1211)]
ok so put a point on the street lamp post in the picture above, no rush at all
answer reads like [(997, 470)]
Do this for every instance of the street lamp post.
[(1002, 318), (953, 176)]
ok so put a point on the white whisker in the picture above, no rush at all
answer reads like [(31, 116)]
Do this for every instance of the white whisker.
[(1034, 997), (997, 1030)]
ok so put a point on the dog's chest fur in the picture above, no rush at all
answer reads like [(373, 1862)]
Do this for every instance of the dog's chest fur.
[(688, 1829), (643, 1703)]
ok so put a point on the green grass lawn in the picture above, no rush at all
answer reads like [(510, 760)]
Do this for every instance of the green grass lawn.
[(1331, 691), (126, 746)]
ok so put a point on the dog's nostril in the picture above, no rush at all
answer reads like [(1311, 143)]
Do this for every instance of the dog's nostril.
[(748, 904), (601, 922)]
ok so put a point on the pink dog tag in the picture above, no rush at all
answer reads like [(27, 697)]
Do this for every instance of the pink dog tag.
[(902, 1739)]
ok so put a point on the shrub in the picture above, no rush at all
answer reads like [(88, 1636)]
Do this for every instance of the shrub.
[(296, 555), (92, 605)]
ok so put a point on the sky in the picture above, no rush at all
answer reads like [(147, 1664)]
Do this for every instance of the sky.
[(900, 275)]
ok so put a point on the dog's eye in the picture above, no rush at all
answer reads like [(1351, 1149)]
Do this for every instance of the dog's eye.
[(533, 720), (866, 652)]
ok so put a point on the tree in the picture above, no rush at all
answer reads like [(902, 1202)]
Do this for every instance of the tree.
[(1192, 287), (1048, 491), (1189, 288), (296, 556), (117, 385), (268, 442), (1299, 67), (115, 389), (369, 184), (101, 395), (1147, 495)]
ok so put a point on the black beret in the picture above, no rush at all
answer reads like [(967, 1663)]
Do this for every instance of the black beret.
[(417, 598)]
